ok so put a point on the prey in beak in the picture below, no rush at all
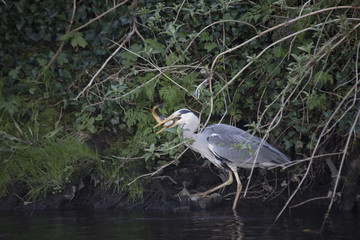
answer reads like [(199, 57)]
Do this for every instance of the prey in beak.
[(167, 123), (162, 121)]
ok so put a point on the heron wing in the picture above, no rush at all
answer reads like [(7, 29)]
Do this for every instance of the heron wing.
[(239, 147)]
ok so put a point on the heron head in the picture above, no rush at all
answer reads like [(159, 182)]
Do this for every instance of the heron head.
[(180, 117)]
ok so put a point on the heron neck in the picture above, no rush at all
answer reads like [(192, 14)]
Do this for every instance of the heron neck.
[(189, 131)]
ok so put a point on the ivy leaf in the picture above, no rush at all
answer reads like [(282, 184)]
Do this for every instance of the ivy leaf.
[(277, 51), (91, 128), (32, 90), (14, 72), (61, 59), (152, 46), (99, 117), (210, 46), (128, 59), (227, 16), (206, 37), (42, 62), (78, 41)]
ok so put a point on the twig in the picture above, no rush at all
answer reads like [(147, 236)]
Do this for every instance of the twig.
[(162, 177), (62, 43), (270, 30), (302, 8), (156, 67), (322, 134), (262, 52), (100, 16), (194, 46), (309, 200), (128, 37), (351, 131), (218, 22), (133, 90), (177, 15), (294, 162), (153, 173), (157, 171), (340, 168)]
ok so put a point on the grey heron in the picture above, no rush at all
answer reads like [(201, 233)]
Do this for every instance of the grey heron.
[(226, 146)]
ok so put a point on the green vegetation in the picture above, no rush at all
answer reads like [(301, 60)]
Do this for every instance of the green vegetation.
[(285, 70), (46, 168)]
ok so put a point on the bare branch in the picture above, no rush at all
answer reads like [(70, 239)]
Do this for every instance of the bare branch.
[(276, 27), (100, 16), (62, 43), (128, 37)]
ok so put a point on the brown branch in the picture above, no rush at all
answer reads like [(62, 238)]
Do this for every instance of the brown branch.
[(194, 46), (75, 30), (151, 174), (309, 200), (100, 16), (339, 172), (265, 32), (351, 132), (322, 134), (127, 39), (276, 27), (158, 170), (61, 45)]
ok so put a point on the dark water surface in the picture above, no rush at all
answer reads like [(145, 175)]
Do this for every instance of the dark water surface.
[(249, 223)]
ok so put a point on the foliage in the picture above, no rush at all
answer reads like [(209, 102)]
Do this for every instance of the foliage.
[(277, 68), (44, 169)]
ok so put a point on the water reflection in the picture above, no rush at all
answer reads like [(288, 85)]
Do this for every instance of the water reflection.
[(250, 222)]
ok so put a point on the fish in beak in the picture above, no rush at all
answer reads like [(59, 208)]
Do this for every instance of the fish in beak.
[(162, 121), (167, 123), (156, 114)]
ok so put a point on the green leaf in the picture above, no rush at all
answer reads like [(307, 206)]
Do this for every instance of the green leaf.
[(14, 72), (227, 16), (61, 59), (210, 46), (147, 156), (128, 59), (323, 78), (277, 51), (152, 46), (99, 117), (32, 90), (91, 128), (171, 59), (66, 36), (317, 101), (206, 37), (78, 41), (42, 62)]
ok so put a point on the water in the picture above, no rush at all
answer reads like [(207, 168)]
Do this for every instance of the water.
[(249, 223)]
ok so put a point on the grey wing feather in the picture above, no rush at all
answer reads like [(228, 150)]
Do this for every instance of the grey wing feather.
[(239, 147)]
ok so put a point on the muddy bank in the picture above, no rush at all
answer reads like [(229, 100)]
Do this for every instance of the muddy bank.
[(168, 190), (165, 191), (171, 188)]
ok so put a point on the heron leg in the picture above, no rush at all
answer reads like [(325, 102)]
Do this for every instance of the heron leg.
[(226, 183), (238, 189)]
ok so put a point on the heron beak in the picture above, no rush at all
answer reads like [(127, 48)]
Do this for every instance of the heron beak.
[(166, 123)]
